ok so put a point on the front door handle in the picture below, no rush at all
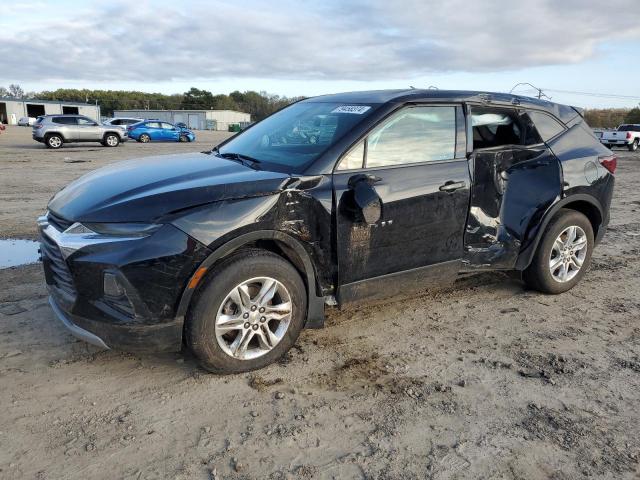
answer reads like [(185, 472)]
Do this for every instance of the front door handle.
[(452, 186)]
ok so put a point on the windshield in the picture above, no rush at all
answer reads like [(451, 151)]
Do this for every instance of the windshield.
[(628, 128), (291, 139)]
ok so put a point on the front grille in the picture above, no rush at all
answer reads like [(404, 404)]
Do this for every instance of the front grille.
[(56, 270), (58, 222)]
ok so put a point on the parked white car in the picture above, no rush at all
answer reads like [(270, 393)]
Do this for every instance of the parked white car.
[(26, 121), (626, 135), (122, 122)]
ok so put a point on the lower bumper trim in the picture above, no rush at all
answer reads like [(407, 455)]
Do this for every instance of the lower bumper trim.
[(75, 330)]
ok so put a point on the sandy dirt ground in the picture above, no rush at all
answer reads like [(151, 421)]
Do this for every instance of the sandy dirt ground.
[(486, 380)]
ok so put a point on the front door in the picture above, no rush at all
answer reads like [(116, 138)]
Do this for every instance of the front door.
[(410, 160), (88, 130), (169, 132)]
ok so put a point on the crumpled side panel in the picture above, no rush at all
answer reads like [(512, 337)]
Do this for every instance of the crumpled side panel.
[(511, 191)]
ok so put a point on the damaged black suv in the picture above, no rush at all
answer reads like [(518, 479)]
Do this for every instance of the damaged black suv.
[(331, 200)]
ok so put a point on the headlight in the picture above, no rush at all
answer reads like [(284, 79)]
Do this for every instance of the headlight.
[(113, 229)]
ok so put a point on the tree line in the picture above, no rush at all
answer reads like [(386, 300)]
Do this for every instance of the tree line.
[(611, 117), (258, 104)]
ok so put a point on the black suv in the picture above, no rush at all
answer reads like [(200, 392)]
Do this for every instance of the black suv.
[(233, 251)]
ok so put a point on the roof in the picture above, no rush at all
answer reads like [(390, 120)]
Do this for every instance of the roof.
[(564, 112), (35, 100)]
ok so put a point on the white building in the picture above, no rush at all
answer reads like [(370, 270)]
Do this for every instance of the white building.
[(12, 109), (194, 119)]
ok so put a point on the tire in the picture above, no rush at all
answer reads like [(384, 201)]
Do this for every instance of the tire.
[(183, 138), (212, 346), (144, 138), (111, 140), (54, 141), (634, 146), (539, 276)]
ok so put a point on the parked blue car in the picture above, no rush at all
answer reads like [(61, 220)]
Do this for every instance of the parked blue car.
[(157, 131)]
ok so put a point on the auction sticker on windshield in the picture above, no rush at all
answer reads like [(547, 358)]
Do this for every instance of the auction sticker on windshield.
[(357, 109)]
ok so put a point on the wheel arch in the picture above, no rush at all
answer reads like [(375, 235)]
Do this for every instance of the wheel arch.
[(277, 242), (54, 132), (110, 132), (583, 203)]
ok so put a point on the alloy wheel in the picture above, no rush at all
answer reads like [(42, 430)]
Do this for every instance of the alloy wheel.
[(253, 318), (55, 142), (112, 140), (568, 254)]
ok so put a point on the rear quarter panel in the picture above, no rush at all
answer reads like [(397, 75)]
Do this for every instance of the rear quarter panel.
[(578, 151)]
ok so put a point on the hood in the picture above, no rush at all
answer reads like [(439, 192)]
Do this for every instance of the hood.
[(145, 189)]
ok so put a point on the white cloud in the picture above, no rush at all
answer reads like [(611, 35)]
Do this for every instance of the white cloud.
[(362, 40)]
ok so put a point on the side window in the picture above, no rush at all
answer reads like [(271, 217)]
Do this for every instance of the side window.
[(85, 121), (152, 124), (354, 159), (116, 122), (64, 120), (547, 126), (415, 134), (167, 126), (530, 135)]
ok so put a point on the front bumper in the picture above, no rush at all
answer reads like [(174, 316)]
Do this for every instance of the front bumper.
[(150, 272), (164, 337)]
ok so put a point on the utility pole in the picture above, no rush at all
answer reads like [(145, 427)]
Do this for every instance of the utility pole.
[(540, 92)]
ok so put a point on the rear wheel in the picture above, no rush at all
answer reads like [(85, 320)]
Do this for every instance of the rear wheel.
[(633, 146), (144, 138), (111, 140), (54, 141), (248, 315), (563, 255)]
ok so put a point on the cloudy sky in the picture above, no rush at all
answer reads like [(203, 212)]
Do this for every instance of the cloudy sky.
[(311, 47)]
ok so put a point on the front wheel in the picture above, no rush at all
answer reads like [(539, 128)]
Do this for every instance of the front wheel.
[(248, 314), (111, 140), (633, 146), (563, 255), (183, 138)]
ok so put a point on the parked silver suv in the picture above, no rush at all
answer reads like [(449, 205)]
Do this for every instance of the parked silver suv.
[(56, 130)]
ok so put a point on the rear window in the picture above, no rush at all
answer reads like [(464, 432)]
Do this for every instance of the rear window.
[(64, 120), (629, 128)]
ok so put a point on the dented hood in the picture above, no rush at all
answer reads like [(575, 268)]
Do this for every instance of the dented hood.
[(142, 190)]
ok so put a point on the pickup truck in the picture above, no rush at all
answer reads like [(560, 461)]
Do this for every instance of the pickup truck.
[(234, 250), (626, 135)]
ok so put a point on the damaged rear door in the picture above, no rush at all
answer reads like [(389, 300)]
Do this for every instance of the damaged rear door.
[(401, 197), (516, 178)]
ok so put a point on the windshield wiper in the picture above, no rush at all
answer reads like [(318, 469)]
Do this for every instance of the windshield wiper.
[(243, 159)]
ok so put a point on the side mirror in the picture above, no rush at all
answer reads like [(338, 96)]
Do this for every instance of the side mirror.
[(366, 198)]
